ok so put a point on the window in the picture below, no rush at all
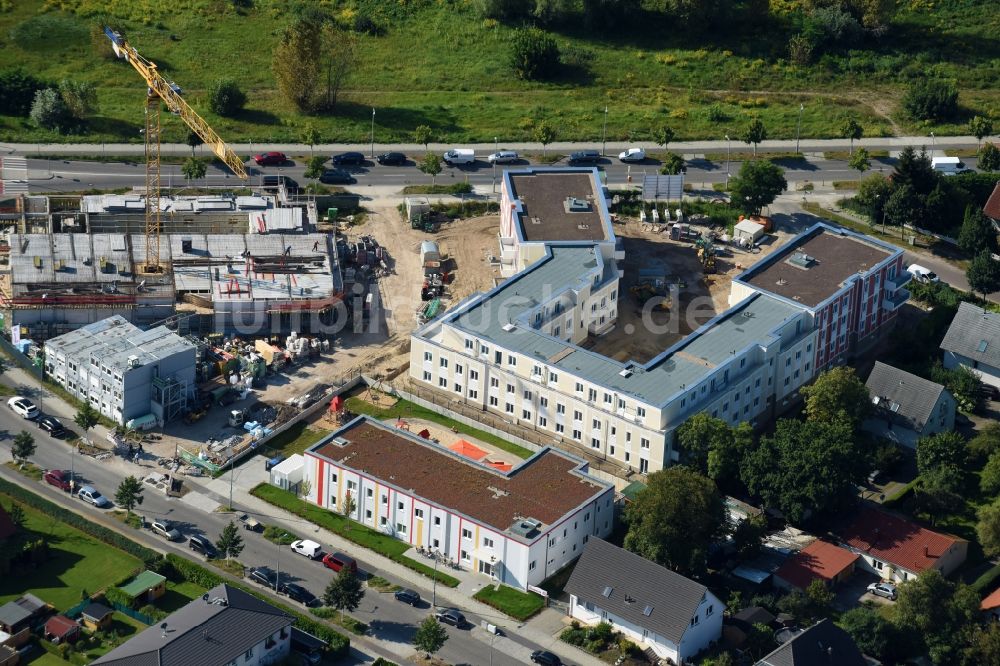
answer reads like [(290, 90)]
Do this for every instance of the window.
[(444, 362), (597, 424), (786, 381), (466, 533), (643, 465), (607, 398), (579, 387), (458, 387), (369, 492), (435, 543), (591, 395), (368, 514), (560, 428), (248, 655), (498, 358), (443, 382), (560, 409), (473, 374), (525, 414), (595, 443), (401, 528), (577, 435), (709, 610), (400, 506), (536, 370), (487, 542), (494, 382), (493, 401), (458, 369), (473, 394), (333, 477), (694, 621), (351, 485), (628, 455), (511, 360), (577, 416), (510, 388), (611, 450), (483, 349), (428, 356), (419, 513), (437, 520), (543, 401), (531, 567), (508, 407), (382, 520), (542, 421), (643, 443), (465, 556), (469, 344), (384, 499), (427, 376), (788, 361), (743, 362), (553, 377), (527, 395)]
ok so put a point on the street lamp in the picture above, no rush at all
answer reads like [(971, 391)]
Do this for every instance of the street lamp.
[(933, 141), (604, 133), (496, 149), (373, 133), (434, 585), (798, 127), (277, 566), (728, 145)]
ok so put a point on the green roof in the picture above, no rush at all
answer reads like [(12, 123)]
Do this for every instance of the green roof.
[(143, 582), (631, 491)]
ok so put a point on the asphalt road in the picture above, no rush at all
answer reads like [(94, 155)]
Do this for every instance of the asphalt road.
[(48, 176), (389, 619)]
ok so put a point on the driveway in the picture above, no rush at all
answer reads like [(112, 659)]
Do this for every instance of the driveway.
[(853, 592)]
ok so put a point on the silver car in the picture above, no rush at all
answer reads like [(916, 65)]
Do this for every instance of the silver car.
[(887, 590), (503, 157), (165, 529)]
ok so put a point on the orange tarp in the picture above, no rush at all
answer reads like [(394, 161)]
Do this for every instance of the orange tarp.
[(468, 449)]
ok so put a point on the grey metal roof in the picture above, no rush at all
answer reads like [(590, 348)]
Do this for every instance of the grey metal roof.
[(203, 632), (627, 585), (11, 614), (114, 340), (974, 333), (567, 268), (906, 397), (823, 644)]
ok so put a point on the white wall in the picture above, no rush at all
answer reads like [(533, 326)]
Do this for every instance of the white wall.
[(265, 657), (989, 375)]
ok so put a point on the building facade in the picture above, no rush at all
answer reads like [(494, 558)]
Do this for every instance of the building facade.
[(516, 527), (973, 342), (907, 407)]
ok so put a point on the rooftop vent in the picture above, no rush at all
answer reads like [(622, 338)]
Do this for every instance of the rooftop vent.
[(626, 373), (801, 259), (497, 492), (509, 327), (607, 592), (576, 205), (781, 282)]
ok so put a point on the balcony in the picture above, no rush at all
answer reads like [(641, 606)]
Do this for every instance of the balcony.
[(893, 284), (894, 301)]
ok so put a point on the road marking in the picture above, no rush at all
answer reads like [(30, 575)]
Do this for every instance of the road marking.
[(14, 175)]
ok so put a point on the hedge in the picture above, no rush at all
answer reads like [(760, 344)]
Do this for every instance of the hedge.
[(148, 556), (987, 581), (340, 645)]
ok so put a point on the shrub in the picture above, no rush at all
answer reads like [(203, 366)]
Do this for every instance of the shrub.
[(17, 92), (534, 54), (225, 98), (49, 110), (717, 113), (364, 25), (931, 99)]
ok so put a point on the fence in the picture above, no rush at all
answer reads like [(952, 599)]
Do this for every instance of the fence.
[(20, 358), (134, 614)]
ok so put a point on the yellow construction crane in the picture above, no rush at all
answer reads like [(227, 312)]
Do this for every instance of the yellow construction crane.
[(160, 89)]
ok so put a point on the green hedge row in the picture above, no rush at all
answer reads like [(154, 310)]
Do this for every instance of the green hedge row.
[(199, 575), (987, 582), (148, 556)]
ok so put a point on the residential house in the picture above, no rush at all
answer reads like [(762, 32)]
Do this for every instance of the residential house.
[(823, 644), (819, 560), (990, 606), (992, 207), (8, 655), (96, 617), (19, 616), (61, 629), (517, 526), (225, 626), (973, 341), (146, 588), (661, 610), (898, 549), (907, 407)]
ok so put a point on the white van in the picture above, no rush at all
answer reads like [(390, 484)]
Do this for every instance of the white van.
[(949, 166), (308, 548), (460, 156), (921, 274)]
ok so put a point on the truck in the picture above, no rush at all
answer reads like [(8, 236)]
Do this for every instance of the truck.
[(430, 257), (948, 166), (457, 156)]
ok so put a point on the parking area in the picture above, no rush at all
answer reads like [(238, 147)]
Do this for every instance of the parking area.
[(854, 592)]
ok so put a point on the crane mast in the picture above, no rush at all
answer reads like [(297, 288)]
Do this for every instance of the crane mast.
[(160, 89)]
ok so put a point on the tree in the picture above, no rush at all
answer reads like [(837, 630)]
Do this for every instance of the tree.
[(193, 168), (348, 505), (983, 274), (431, 165), (806, 466), (988, 528), (315, 166), (986, 442), (297, 63), (758, 184), (193, 141), (225, 98), (18, 90), (86, 417), (230, 543), (544, 134), (748, 535), (724, 461), (344, 592), (820, 596), (422, 134), (49, 111), (23, 447), (755, 133), (534, 54), (916, 170), (675, 519), (852, 130), (80, 97), (873, 633), (698, 435), (984, 645), (430, 636), (16, 513), (860, 160), (339, 55), (310, 136), (940, 491), (989, 158), (939, 450), (903, 206), (980, 127), (129, 494), (664, 136), (937, 612), (673, 164), (977, 232), (872, 194), (931, 99), (836, 396)]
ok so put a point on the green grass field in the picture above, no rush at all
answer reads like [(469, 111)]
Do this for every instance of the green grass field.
[(78, 563), (440, 64), (519, 605)]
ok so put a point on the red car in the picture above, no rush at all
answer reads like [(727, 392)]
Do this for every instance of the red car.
[(58, 478), (269, 159), (338, 561)]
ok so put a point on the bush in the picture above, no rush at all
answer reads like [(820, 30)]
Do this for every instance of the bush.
[(225, 98), (364, 25), (534, 54), (148, 556), (49, 110), (931, 99), (17, 92)]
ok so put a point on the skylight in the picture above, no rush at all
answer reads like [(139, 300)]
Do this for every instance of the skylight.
[(982, 345), (607, 591)]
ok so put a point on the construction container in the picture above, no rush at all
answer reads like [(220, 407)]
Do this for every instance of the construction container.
[(430, 256)]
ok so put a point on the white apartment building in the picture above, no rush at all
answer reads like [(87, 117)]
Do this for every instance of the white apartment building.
[(517, 527)]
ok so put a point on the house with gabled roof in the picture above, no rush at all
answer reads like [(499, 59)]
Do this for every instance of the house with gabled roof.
[(973, 341), (823, 644), (819, 560), (660, 610), (907, 407)]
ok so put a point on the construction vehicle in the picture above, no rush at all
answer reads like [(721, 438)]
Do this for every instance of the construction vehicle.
[(706, 254), (159, 89)]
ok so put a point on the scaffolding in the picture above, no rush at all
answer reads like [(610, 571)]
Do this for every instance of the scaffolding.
[(170, 395)]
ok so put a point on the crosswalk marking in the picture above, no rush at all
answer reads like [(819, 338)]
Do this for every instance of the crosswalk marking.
[(13, 175)]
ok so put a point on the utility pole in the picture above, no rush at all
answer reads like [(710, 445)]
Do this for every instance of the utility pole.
[(604, 134), (798, 127), (434, 586), (728, 153), (373, 133), (496, 149), (277, 566)]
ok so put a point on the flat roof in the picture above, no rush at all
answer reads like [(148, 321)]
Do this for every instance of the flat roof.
[(545, 487), (115, 340), (543, 214), (831, 258)]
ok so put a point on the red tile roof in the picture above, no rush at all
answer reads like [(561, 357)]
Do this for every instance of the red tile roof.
[(817, 560), (992, 207), (892, 539), (7, 527), (60, 625), (992, 601)]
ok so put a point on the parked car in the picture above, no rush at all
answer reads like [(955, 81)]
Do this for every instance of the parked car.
[(24, 407), (264, 577), (503, 157), (270, 159), (165, 529), (582, 156), (632, 155), (336, 177), (201, 544), (51, 425), (450, 616), (57, 477), (459, 156), (90, 495), (338, 561), (887, 590), (251, 524), (921, 274), (310, 549), (391, 159), (348, 158), (407, 596), (545, 658), (297, 593)]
